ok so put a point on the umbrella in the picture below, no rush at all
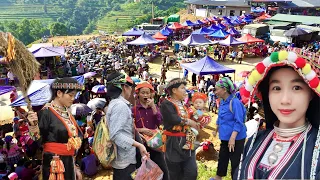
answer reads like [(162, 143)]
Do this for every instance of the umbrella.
[(80, 109), (135, 79), (97, 103), (295, 32), (99, 89), (244, 73), (89, 74)]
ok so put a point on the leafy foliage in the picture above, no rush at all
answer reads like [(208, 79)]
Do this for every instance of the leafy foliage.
[(30, 20)]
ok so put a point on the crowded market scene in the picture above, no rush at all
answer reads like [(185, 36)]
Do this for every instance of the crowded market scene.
[(175, 104)]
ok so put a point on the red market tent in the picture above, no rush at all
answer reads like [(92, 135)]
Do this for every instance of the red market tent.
[(176, 26), (159, 36), (264, 16), (248, 38)]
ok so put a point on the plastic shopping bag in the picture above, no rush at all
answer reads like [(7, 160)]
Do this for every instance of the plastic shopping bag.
[(149, 171)]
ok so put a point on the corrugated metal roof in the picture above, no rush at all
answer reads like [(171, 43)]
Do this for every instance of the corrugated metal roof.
[(296, 18)]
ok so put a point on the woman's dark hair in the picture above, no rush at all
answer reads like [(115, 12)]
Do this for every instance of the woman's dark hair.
[(176, 85), (113, 91), (27, 164), (312, 113), (64, 91)]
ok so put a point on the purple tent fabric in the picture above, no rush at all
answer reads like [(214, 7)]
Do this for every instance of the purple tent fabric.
[(189, 23), (230, 41), (219, 34), (206, 66), (233, 31), (166, 31), (6, 89), (144, 39), (196, 40), (48, 52), (133, 32), (203, 30)]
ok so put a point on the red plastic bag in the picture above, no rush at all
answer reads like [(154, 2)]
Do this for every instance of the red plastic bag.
[(149, 171)]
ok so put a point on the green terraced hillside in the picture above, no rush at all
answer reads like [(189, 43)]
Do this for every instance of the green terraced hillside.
[(127, 15), (16, 12)]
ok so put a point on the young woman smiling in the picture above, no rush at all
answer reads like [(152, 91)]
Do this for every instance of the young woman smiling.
[(288, 149)]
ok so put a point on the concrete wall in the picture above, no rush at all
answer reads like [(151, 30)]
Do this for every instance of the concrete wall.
[(221, 12)]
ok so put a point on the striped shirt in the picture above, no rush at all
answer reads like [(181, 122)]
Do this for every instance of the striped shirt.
[(120, 124)]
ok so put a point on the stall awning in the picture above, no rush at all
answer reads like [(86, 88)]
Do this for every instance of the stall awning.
[(278, 23), (296, 18)]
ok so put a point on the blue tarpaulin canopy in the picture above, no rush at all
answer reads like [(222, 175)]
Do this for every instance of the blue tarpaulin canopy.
[(189, 23), (198, 22), (203, 30), (6, 89), (230, 41), (166, 31), (206, 66), (214, 27), (219, 34), (233, 31), (39, 92), (144, 39), (196, 40), (133, 32), (221, 26)]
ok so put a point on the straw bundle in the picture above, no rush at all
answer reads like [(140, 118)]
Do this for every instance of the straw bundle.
[(19, 59)]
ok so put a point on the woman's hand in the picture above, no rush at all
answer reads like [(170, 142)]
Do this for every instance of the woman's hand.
[(146, 131), (231, 144), (143, 151)]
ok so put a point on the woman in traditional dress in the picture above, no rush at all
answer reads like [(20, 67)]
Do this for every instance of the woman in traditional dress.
[(181, 162), (230, 124), (60, 134), (147, 118), (289, 148)]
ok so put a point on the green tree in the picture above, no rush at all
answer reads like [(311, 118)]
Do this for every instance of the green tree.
[(24, 28), (58, 29), (90, 28)]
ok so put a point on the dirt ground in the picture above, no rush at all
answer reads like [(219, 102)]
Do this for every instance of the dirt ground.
[(6, 114)]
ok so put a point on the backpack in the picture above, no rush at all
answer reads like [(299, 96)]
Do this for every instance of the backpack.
[(230, 107), (103, 147)]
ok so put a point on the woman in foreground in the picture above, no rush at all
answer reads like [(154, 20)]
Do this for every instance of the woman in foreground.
[(288, 149)]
